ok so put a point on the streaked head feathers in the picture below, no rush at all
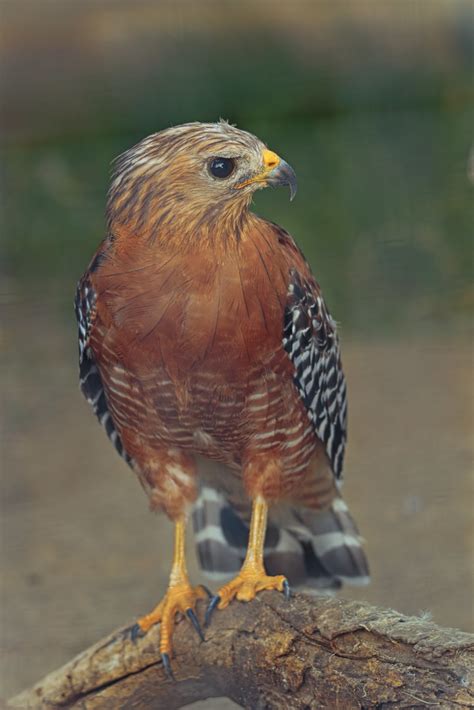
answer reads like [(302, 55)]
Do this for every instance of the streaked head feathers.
[(198, 173)]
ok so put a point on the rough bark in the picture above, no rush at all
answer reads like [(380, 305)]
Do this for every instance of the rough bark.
[(305, 653)]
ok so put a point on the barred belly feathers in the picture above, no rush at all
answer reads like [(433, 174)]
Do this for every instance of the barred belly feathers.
[(210, 358)]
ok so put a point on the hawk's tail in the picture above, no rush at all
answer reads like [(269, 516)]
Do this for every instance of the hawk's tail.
[(313, 549)]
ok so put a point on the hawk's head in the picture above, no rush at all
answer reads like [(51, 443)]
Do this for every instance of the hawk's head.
[(201, 173)]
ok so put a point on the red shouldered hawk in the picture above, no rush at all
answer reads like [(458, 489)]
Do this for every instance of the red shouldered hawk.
[(203, 335)]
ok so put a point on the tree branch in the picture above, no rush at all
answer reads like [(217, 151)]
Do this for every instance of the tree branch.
[(306, 653)]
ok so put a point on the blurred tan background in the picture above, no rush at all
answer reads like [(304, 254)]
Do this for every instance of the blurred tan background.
[(372, 104)]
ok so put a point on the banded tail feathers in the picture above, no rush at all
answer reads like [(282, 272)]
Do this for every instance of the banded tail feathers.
[(315, 550)]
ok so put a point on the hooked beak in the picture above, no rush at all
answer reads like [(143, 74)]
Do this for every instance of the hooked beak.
[(283, 174), (277, 172)]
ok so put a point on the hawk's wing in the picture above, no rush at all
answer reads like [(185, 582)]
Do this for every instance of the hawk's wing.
[(311, 342), (90, 379)]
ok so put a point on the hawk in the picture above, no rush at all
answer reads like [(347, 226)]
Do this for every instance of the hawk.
[(211, 360)]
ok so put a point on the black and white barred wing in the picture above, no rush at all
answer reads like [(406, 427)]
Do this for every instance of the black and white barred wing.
[(311, 342), (89, 375)]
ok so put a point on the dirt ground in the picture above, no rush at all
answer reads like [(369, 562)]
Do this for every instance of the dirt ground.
[(81, 554)]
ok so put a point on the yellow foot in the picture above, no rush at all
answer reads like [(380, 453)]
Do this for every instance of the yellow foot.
[(179, 598), (245, 587)]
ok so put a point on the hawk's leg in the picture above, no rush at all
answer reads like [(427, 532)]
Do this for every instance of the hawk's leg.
[(180, 597), (252, 577)]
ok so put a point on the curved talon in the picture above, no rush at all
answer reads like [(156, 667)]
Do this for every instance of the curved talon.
[(212, 605), (136, 632), (286, 590), (207, 590), (165, 659), (194, 620)]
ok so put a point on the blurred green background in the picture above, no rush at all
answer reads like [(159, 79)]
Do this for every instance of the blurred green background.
[(372, 103)]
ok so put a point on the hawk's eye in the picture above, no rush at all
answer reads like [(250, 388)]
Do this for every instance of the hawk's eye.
[(221, 167)]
